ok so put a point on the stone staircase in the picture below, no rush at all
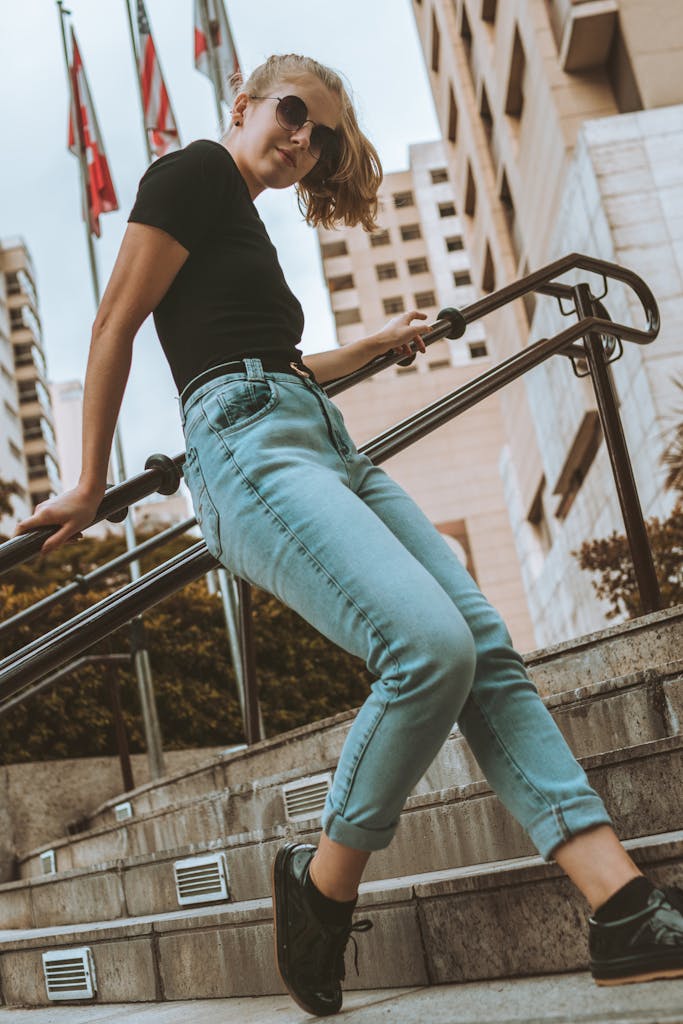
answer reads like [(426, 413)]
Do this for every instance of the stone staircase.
[(459, 878)]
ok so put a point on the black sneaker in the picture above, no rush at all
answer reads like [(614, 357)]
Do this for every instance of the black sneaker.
[(309, 953), (642, 946)]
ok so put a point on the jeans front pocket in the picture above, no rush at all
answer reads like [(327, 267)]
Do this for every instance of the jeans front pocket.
[(204, 508), (239, 403)]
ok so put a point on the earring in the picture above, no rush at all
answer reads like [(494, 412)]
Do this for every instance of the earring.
[(237, 122)]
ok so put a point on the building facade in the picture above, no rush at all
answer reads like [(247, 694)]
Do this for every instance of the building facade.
[(28, 453), (563, 132), (417, 260)]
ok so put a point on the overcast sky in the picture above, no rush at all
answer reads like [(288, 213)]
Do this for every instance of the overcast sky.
[(373, 42)]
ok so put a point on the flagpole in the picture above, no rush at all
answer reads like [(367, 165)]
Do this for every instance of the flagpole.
[(136, 60), (81, 159), (141, 657), (213, 65)]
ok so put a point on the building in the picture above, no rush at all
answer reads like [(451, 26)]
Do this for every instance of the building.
[(417, 260), (564, 132), (26, 415)]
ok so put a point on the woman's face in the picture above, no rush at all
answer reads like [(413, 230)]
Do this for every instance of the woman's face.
[(267, 155)]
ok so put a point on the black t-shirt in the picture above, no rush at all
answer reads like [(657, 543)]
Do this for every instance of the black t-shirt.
[(230, 298)]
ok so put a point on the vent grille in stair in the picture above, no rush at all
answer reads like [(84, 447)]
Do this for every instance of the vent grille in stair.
[(69, 974), (305, 798), (123, 811), (47, 862), (201, 879)]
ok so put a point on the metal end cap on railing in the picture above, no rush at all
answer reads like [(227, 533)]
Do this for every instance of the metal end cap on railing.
[(457, 321), (170, 473)]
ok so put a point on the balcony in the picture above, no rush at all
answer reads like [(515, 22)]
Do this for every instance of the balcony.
[(583, 31)]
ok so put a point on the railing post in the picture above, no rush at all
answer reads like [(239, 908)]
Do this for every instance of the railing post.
[(120, 729), (646, 577), (251, 706), (148, 706)]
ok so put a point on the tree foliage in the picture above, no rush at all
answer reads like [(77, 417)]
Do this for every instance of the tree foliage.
[(302, 676)]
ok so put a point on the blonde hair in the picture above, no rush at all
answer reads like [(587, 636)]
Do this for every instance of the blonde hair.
[(347, 194)]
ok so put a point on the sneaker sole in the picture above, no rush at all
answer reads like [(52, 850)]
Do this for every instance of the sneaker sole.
[(280, 921)]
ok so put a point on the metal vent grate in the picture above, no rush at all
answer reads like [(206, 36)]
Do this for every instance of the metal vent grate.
[(69, 974), (201, 879), (305, 798), (48, 865), (123, 811)]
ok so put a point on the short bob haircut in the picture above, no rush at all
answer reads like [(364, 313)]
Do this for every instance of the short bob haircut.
[(327, 196)]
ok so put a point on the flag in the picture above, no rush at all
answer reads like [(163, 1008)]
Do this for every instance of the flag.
[(156, 106), (101, 195), (212, 35)]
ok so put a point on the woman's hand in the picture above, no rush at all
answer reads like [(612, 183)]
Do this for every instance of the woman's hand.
[(73, 511), (397, 334)]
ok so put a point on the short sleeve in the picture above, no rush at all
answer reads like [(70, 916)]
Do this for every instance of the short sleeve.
[(180, 191)]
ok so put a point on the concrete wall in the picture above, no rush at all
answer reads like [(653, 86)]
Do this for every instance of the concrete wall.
[(39, 800)]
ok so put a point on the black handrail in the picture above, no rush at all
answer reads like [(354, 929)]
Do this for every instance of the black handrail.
[(27, 664), (163, 473), (80, 584)]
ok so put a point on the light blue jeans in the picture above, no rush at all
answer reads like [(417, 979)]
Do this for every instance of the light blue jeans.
[(285, 500)]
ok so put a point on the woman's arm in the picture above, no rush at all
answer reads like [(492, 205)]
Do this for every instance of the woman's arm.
[(396, 334), (147, 263)]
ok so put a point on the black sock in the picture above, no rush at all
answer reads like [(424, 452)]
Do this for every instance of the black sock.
[(625, 901), (327, 910)]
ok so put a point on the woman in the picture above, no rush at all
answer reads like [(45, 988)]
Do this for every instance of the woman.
[(285, 500)]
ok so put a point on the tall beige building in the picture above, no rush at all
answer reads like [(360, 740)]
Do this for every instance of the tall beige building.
[(27, 446), (417, 260), (564, 132)]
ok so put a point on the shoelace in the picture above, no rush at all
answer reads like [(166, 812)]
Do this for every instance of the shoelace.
[(340, 947)]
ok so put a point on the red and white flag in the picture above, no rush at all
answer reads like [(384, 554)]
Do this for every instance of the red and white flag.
[(212, 34), (157, 112), (85, 137)]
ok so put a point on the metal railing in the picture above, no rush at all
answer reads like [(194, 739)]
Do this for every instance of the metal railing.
[(601, 345)]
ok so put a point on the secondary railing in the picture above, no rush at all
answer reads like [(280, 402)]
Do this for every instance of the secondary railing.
[(601, 344)]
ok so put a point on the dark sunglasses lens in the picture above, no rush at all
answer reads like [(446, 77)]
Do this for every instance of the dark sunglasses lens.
[(292, 112), (325, 144)]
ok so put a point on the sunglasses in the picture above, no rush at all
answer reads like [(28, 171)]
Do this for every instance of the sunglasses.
[(291, 114)]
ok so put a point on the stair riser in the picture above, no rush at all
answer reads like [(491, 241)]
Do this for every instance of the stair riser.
[(638, 646), (638, 792), (434, 933), (613, 720)]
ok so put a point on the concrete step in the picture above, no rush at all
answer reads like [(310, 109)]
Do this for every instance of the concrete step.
[(640, 707), (436, 928), (457, 827), (571, 998), (643, 648)]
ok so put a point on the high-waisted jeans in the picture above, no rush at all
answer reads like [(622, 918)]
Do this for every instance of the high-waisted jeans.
[(285, 500)]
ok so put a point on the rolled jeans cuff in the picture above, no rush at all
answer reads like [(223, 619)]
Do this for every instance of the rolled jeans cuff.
[(357, 838), (550, 829)]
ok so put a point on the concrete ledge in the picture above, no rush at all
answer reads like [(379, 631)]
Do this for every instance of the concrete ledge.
[(431, 928)]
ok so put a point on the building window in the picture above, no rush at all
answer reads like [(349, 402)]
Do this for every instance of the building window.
[(10, 410), (461, 277), (425, 299), (510, 219), (485, 114), (470, 192), (379, 238), (410, 232), (488, 279), (452, 116), (478, 349), (488, 11), (579, 460), (341, 283), (402, 199), (330, 249), (514, 100), (436, 42), (466, 32), (342, 317), (418, 265), (446, 209), (385, 271), (16, 452), (538, 521), (438, 175), (394, 305), (454, 243), (529, 299)]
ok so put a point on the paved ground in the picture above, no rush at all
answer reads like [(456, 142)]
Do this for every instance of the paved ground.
[(554, 999)]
